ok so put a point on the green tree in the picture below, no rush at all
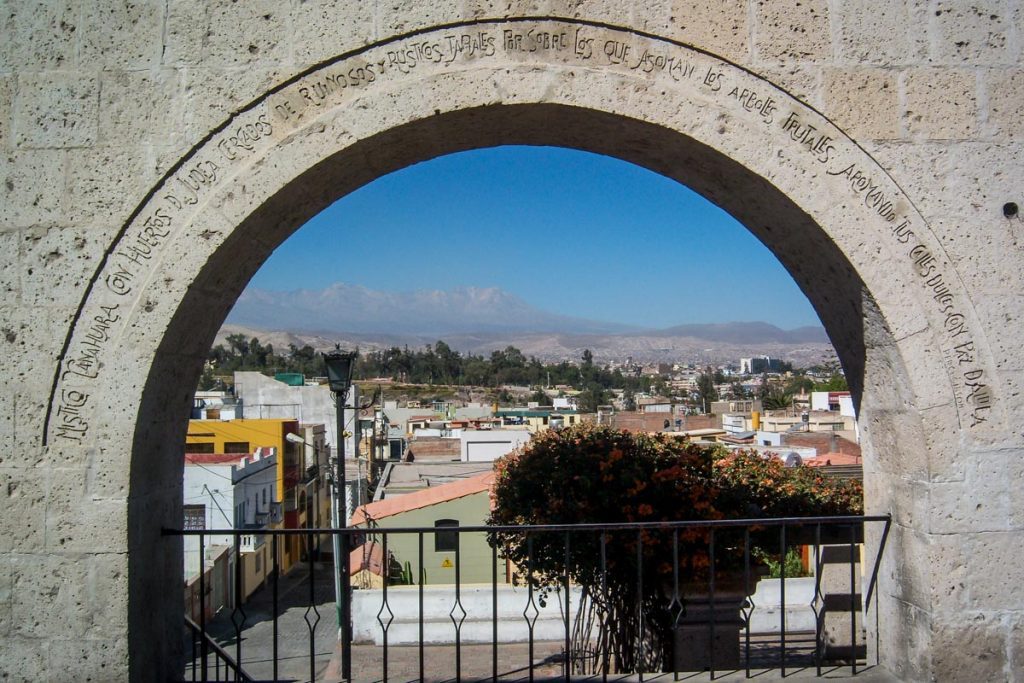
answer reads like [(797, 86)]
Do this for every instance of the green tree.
[(836, 382), (628, 399), (594, 474), (799, 384), (591, 397), (540, 398), (737, 391), (706, 391)]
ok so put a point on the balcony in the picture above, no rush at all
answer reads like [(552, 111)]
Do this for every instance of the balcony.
[(692, 601)]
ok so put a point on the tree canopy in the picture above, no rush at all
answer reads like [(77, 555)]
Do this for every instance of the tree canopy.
[(594, 474), (433, 364)]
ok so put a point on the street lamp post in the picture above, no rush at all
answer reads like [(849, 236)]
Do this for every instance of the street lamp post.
[(339, 378)]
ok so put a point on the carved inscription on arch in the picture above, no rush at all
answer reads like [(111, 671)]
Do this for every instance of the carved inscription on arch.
[(835, 161)]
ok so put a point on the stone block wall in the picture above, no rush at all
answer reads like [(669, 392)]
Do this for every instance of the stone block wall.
[(152, 154)]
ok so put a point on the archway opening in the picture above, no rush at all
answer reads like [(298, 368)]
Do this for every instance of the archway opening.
[(831, 283)]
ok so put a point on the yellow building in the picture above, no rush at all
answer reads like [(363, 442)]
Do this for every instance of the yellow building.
[(293, 478)]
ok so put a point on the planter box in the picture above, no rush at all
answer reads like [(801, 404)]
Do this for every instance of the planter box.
[(767, 608), (710, 634)]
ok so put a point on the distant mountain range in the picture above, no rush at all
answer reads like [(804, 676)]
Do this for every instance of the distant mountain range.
[(352, 308), (480, 320)]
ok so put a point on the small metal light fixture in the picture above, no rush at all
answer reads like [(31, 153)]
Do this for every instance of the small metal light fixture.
[(340, 365)]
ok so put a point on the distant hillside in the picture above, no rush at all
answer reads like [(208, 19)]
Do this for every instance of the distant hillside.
[(644, 348), (479, 320), (431, 312), (746, 333)]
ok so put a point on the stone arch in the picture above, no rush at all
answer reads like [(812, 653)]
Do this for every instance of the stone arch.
[(890, 298)]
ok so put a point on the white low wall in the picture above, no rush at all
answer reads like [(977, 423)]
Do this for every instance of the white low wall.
[(767, 603), (476, 600)]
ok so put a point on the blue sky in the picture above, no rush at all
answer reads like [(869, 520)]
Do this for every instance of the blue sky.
[(570, 232)]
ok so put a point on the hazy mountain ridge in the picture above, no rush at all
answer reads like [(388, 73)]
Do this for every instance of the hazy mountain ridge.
[(745, 332), (482, 319), (430, 312), (557, 347)]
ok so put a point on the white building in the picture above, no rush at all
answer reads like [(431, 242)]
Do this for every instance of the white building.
[(487, 445), (840, 401), (265, 397), (565, 403), (225, 491)]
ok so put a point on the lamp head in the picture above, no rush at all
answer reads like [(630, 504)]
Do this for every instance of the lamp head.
[(340, 365)]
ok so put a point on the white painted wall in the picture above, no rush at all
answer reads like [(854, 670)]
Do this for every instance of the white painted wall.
[(476, 600), (487, 445), (265, 397), (223, 489)]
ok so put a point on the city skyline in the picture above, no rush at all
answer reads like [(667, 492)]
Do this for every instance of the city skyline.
[(569, 232)]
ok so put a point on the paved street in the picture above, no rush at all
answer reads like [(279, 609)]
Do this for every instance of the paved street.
[(293, 629)]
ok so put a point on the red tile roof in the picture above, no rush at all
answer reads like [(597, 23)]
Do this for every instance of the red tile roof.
[(423, 498), (833, 459), (368, 556), (215, 458)]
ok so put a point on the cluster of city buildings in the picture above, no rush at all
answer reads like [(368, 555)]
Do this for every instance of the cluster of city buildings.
[(263, 457)]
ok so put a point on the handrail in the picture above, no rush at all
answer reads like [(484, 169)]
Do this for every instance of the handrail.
[(598, 526), (698, 628), (229, 663)]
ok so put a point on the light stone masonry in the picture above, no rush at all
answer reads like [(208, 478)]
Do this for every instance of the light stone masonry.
[(865, 102), (941, 104), (153, 154)]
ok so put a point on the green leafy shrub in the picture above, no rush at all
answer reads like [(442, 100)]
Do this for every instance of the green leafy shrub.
[(594, 474)]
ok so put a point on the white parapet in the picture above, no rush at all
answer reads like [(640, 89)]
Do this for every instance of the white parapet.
[(476, 600)]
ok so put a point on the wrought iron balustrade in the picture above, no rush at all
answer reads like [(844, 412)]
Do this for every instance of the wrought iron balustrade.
[(593, 601)]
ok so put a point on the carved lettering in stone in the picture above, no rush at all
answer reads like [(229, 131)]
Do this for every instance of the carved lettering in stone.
[(872, 194), (470, 45), (817, 143), (119, 281), (583, 47), (191, 183), (85, 363), (245, 137), (678, 69), (617, 51), (713, 79), (752, 101), (535, 40), (254, 131), (71, 425)]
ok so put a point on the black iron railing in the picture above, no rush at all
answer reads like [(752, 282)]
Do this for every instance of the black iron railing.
[(588, 601), (210, 662)]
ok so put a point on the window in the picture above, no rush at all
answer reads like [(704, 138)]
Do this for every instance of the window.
[(445, 541), (236, 447), (199, 448), (264, 496), (195, 517)]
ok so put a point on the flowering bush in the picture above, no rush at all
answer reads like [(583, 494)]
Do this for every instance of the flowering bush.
[(592, 474)]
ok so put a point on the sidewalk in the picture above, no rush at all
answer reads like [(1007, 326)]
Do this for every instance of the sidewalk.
[(439, 663), (476, 665)]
